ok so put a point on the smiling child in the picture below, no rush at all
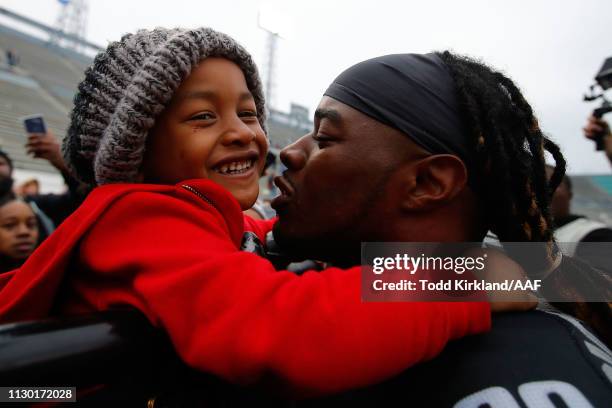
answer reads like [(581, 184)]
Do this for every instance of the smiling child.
[(169, 127)]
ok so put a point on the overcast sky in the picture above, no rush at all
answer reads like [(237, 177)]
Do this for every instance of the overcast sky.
[(551, 48)]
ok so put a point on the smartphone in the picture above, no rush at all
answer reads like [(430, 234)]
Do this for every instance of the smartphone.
[(34, 124)]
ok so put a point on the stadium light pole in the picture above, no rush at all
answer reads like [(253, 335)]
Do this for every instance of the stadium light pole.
[(270, 20), (72, 19)]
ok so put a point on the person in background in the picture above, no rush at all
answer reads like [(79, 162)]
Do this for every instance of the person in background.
[(12, 59), (56, 206), (29, 188), (596, 126), (18, 231), (46, 225), (573, 230)]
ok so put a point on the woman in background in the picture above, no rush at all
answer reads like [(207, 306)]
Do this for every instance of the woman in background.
[(18, 231)]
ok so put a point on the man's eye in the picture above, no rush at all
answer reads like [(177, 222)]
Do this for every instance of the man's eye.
[(322, 140), (203, 116)]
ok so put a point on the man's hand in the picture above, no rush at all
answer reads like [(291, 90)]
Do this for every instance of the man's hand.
[(46, 146), (596, 127)]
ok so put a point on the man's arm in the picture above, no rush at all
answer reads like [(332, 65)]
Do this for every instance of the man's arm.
[(57, 206), (46, 146)]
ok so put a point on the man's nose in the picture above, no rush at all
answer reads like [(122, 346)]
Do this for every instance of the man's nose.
[(296, 154), (237, 132)]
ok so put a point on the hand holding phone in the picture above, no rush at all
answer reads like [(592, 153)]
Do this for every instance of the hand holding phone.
[(34, 124)]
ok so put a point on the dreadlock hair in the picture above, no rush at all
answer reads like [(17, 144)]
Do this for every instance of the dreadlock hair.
[(566, 180), (510, 178)]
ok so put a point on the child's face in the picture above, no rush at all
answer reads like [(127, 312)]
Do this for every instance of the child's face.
[(209, 130), (18, 230)]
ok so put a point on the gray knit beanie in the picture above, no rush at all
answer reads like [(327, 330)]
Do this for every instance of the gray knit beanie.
[(128, 86)]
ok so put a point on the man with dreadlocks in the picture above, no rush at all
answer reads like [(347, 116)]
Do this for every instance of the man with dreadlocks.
[(441, 148)]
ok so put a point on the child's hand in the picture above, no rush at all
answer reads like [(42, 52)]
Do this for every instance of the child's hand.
[(499, 267), (515, 305)]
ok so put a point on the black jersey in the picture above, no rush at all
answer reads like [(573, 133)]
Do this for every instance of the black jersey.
[(528, 360)]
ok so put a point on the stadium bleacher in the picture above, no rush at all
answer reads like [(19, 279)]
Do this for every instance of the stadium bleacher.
[(43, 82)]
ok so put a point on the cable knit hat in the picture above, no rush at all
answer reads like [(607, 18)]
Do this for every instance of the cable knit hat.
[(128, 86)]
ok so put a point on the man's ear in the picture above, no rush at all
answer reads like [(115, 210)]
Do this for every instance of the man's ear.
[(432, 181)]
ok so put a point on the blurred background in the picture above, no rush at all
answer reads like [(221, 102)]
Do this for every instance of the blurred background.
[(552, 49)]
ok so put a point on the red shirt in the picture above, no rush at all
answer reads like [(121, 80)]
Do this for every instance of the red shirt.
[(174, 255)]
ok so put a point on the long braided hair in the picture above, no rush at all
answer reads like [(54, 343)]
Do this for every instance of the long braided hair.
[(511, 180)]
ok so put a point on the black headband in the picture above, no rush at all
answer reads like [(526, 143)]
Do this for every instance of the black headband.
[(413, 93)]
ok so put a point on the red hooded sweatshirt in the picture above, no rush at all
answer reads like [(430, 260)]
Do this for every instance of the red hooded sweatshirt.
[(173, 253)]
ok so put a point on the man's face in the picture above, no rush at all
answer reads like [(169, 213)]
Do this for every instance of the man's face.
[(334, 189)]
